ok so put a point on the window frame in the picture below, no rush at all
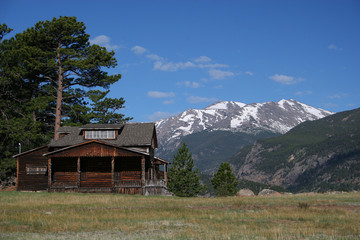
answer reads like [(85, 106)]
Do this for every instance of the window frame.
[(100, 134), (36, 169)]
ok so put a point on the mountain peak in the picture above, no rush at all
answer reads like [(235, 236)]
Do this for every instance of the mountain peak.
[(223, 105)]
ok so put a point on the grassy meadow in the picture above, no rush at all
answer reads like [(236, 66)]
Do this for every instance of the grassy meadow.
[(30, 215)]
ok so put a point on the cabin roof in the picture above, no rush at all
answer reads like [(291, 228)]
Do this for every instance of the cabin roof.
[(129, 134), (29, 151), (160, 160)]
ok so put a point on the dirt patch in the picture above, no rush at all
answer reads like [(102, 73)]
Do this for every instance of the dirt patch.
[(7, 189)]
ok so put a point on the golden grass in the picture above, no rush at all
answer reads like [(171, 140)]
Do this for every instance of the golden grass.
[(113, 216)]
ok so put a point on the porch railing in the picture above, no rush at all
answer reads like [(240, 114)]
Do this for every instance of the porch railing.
[(127, 183), (137, 183), (155, 183)]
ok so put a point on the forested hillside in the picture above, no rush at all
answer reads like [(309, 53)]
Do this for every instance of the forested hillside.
[(210, 148), (314, 156)]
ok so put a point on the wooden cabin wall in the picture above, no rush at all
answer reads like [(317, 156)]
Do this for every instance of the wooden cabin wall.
[(127, 168), (96, 172), (64, 172), (27, 181)]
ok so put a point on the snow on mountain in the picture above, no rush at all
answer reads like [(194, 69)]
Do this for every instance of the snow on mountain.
[(224, 105), (278, 117)]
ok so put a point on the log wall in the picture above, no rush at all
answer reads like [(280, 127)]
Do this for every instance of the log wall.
[(127, 168), (95, 172), (35, 179), (64, 172)]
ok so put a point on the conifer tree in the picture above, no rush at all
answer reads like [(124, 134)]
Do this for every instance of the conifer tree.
[(183, 180), (224, 181), (47, 76)]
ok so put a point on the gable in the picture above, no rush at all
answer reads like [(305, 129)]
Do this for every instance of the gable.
[(94, 149)]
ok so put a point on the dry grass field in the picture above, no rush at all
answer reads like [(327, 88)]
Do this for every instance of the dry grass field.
[(29, 215)]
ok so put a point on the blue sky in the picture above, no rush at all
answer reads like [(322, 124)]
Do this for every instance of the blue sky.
[(176, 55)]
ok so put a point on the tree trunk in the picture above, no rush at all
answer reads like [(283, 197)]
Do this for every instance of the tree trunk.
[(59, 97)]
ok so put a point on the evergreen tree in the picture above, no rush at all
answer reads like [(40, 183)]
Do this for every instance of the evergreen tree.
[(17, 106), (57, 64), (224, 181), (183, 180), (70, 60), (46, 71)]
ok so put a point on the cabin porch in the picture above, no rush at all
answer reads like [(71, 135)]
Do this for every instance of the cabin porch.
[(98, 167), (127, 175)]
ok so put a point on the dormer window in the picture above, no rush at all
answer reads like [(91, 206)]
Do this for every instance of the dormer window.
[(100, 134)]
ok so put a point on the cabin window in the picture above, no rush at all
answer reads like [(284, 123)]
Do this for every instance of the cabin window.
[(36, 169), (100, 134)]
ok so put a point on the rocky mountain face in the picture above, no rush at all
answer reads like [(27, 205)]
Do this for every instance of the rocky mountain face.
[(246, 122), (314, 156)]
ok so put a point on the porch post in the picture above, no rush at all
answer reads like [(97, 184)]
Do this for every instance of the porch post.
[(165, 174), (79, 172), (143, 174), (112, 171), (49, 174), (17, 173)]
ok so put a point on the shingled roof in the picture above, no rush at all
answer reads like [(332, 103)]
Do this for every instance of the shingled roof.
[(129, 135)]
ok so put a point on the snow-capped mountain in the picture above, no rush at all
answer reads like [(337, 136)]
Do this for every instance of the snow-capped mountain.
[(277, 117)]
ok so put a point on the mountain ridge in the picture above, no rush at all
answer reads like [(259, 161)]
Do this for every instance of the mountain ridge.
[(277, 117), (254, 120)]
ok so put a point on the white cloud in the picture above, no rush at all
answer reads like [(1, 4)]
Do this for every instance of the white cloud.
[(160, 115), (154, 57), (189, 84), (157, 94), (212, 65), (330, 105), (301, 93), (334, 47), (162, 64), (197, 99), (338, 96), (288, 80), (138, 50), (167, 102), (335, 96), (219, 74), (103, 41), (172, 67), (202, 59), (249, 73)]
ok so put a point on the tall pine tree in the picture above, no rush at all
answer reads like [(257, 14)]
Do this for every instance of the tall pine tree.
[(184, 181), (47, 75), (71, 62)]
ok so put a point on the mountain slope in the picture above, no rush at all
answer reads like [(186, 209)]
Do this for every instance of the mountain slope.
[(317, 155), (206, 128), (210, 148)]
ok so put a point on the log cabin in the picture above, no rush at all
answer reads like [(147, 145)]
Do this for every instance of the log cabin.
[(116, 158)]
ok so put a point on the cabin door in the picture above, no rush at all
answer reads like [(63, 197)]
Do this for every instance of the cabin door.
[(95, 172)]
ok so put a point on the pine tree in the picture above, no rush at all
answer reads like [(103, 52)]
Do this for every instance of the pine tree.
[(58, 63), (51, 69), (224, 181), (183, 180)]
